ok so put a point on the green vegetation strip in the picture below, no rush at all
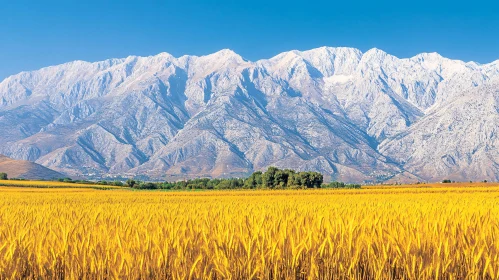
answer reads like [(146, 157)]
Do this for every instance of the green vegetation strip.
[(273, 178)]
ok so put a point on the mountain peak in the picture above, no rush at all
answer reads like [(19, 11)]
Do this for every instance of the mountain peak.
[(165, 54), (333, 50), (227, 54), (227, 51), (432, 56), (375, 53)]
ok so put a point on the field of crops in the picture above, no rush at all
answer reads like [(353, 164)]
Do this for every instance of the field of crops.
[(51, 184), (408, 232)]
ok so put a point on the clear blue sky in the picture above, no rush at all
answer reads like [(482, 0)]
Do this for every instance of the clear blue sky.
[(36, 33)]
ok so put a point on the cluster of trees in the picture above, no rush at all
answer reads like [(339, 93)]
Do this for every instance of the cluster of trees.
[(273, 178), (102, 182), (194, 184), (341, 185)]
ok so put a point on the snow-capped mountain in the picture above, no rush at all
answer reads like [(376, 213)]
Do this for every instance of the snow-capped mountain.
[(353, 116)]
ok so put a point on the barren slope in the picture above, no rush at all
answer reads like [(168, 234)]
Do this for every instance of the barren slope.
[(26, 170)]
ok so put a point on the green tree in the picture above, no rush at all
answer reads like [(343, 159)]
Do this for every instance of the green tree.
[(258, 178), (250, 183), (295, 180), (3, 176), (305, 179), (224, 185), (281, 179), (118, 183), (68, 180), (147, 186), (254, 181), (341, 185), (268, 178), (130, 183), (317, 179)]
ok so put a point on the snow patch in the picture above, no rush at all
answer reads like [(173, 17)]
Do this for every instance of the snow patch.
[(338, 79)]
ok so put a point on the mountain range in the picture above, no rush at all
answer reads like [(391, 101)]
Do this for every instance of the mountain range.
[(351, 115)]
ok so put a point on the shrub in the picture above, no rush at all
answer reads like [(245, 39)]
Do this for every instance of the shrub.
[(130, 183), (147, 186), (118, 184)]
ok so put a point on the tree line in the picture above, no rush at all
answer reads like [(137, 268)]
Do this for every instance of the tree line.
[(273, 178)]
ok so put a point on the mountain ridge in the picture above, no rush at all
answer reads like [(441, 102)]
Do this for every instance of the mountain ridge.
[(328, 109), (186, 56)]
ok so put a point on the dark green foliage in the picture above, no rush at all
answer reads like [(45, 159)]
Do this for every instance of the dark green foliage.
[(117, 183), (103, 182), (268, 178), (146, 186), (446, 181), (283, 179), (230, 184), (66, 180), (194, 184), (130, 183), (3, 176), (254, 181), (341, 185), (273, 178)]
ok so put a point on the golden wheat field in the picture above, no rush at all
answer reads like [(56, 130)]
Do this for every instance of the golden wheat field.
[(51, 184), (407, 232)]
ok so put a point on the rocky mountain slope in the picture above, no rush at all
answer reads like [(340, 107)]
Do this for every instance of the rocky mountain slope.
[(353, 116), (23, 169)]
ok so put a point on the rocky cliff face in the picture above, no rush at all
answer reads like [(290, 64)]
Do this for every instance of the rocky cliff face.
[(353, 116)]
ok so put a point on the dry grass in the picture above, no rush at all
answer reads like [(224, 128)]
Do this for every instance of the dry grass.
[(51, 184), (436, 232)]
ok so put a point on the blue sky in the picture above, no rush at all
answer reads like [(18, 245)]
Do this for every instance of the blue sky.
[(34, 34)]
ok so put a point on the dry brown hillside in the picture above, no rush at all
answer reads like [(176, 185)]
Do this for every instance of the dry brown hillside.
[(26, 169)]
